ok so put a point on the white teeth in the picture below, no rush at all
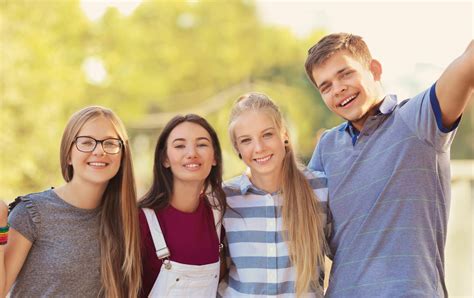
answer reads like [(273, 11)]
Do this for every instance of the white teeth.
[(347, 100), (192, 165), (263, 159), (98, 164)]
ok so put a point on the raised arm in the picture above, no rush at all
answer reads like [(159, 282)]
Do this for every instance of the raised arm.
[(455, 87), (12, 255)]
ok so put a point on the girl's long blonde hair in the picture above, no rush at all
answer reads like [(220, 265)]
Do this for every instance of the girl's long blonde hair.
[(118, 222), (301, 212)]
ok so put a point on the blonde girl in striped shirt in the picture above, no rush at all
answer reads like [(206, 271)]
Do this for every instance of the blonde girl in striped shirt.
[(275, 224)]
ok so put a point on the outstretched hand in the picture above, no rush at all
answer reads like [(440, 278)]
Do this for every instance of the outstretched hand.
[(3, 213)]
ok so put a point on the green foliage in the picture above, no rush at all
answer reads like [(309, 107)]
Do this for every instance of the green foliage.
[(168, 57)]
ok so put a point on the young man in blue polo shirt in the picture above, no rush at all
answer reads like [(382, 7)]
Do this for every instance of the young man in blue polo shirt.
[(388, 171)]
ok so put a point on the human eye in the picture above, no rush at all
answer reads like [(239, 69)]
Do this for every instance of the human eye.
[(204, 144), (84, 141), (267, 135), (347, 74), (324, 89), (245, 141), (111, 143)]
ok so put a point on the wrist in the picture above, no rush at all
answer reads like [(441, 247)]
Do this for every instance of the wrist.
[(4, 234)]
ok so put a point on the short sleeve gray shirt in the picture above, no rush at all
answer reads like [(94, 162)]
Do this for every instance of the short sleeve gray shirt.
[(64, 260)]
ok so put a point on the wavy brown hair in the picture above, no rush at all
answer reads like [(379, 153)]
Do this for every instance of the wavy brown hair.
[(301, 212), (333, 43), (118, 228), (159, 194)]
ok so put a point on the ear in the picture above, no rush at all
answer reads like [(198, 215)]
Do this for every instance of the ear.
[(285, 137), (214, 162), (166, 163), (376, 69)]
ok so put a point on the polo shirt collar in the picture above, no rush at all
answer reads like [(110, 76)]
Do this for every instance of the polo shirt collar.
[(386, 107)]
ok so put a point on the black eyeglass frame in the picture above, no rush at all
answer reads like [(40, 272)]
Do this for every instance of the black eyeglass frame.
[(97, 142)]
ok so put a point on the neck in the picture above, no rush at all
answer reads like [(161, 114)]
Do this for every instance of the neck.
[(270, 182), (185, 196), (359, 123), (82, 197)]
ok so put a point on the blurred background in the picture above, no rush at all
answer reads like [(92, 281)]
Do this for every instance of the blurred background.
[(151, 60)]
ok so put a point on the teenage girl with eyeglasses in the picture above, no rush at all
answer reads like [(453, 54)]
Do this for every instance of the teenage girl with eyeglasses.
[(80, 238)]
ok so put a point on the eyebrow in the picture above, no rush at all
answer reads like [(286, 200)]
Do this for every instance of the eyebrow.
[(263, 131), (267, 129), (326, 82), (184, 140), (105, 138)]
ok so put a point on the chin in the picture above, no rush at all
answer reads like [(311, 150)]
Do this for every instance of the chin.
[(266, 171)]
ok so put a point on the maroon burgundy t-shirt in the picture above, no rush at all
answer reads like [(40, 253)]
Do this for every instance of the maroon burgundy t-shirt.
[(191, 239)]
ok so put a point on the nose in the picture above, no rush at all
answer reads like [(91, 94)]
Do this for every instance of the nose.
[(339, 88), (192, 152), (259, 145), (99, 150)]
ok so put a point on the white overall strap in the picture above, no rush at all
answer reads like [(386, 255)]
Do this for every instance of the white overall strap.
[(217, 216), (156, 233), (217, 224)]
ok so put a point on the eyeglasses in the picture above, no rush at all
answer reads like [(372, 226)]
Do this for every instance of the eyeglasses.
[(88, 144)]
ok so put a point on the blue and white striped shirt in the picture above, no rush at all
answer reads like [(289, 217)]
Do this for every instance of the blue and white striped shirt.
[(259, 261)]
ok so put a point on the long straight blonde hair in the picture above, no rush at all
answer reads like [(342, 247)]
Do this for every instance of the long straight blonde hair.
[(118, 222), (301, 212)]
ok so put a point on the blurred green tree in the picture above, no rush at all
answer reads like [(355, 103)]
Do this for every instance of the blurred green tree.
[(165, 58)]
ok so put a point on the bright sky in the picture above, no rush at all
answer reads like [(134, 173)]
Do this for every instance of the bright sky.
[(412, 40)]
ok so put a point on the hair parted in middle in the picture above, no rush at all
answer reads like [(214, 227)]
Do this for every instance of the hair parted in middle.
[(159, 194), (301, 212), (118, 219), (333, 43)]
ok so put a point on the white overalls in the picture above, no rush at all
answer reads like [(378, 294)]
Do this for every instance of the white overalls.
[(182, 280)]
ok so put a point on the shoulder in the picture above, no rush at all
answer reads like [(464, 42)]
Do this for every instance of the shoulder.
[(317, 179), (36, 197), (27, 214), (31, 204), (331, 134), (427, 97), (318, 182), (232, 187), (142, 217)]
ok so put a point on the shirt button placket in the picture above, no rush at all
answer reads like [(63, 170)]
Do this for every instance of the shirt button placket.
[(271, 228)]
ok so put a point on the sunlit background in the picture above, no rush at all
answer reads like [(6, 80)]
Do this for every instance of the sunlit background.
[(151, 60)]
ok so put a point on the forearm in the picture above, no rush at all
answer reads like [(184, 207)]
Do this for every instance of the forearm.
[(3, 223), (3, 293), (12, 258), (455, 87)]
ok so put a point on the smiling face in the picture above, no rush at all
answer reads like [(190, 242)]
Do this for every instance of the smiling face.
[(96, 167), (260, 143), (349, 88), (189, 153)]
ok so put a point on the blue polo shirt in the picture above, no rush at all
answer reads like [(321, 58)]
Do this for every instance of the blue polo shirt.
[(389, 196)]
